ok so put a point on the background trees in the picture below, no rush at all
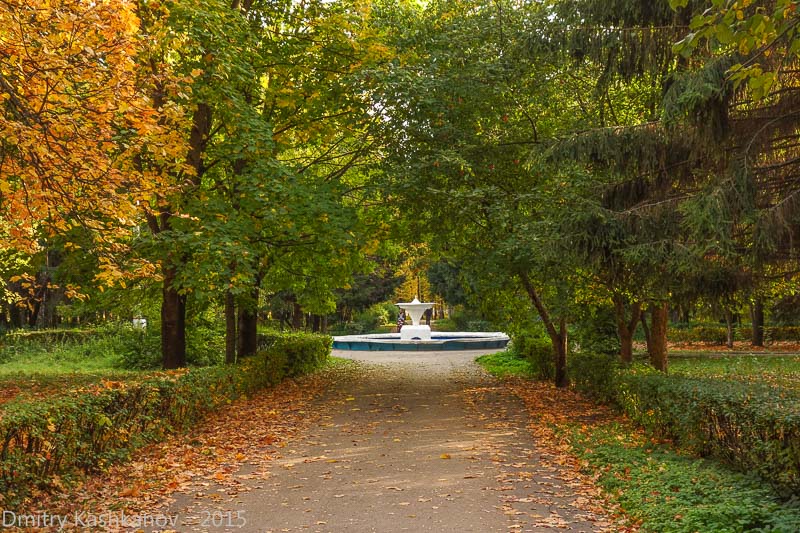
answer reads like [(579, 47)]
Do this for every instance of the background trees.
[(565, 165), (232, 131)]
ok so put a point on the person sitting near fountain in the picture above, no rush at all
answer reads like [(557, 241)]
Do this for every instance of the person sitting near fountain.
[(401, 320)]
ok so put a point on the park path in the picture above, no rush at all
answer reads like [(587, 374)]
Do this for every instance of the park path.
[(416, 442)]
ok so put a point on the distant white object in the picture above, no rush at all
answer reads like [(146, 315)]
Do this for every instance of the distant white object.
[(415, 331), (139, 323)]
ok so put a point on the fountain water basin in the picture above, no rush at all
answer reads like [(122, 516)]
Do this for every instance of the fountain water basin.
[(440, 340), (418, 337)]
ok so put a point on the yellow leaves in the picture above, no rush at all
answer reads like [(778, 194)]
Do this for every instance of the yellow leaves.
[(444, 456), (134, 491), (284, 102), (115, 385), (66, 156)]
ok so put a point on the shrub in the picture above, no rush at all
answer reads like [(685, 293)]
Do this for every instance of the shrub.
[(781, 333), (298, 353), (538, 350), (703, 333), (466, 321), (140, 349), (391, 311), (595, 332), (594, 374), (715, 334), (87, 430), (753, 427), (49, 336), (445, 324)]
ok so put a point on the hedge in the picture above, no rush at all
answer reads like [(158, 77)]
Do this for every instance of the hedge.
[(303, 352), (85, 431), (536, 350), (718, 334), (753, 427), (49, 336)]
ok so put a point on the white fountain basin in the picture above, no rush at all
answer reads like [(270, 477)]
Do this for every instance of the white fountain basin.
[(440, 340)]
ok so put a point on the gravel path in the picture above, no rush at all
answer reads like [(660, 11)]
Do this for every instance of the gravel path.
[(418, 442)]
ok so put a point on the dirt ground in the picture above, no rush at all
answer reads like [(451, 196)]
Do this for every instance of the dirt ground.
[(417, 441)]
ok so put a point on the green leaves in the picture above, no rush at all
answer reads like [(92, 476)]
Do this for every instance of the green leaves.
[(83, 431), (749, 30)]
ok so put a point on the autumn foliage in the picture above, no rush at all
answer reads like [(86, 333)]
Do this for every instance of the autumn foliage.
[(89, 428), (73, 119)]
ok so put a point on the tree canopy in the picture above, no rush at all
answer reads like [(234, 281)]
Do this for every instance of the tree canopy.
[(535, 160)]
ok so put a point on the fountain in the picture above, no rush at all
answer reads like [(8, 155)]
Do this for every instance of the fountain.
[(415, 331), (418, 337)]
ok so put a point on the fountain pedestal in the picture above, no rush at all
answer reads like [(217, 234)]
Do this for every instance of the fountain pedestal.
[(415, 331)]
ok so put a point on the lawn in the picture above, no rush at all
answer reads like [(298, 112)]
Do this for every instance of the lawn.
[(778, 370), (656, 485), (33, 367)]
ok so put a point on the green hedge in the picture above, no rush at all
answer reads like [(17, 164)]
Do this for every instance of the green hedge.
[(49, 336), (86, 431), (300, 353), (538, 351), (755, 428), (710, 334), (718, 334)]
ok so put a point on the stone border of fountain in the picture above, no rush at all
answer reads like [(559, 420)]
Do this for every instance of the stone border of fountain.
[(443, 340)]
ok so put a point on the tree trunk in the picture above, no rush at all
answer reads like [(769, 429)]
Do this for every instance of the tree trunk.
[(36, 303), (657, 340), (557, 337), (173, 323), (728, 328), (52, 296), (48, 317), (757, 313), (248, 327), (562, 379), (15, 316), (626, 328), (248, 332), (230, 328), (297, 316)]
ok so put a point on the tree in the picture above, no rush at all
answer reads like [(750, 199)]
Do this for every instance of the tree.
[(272, 117), (465, 103), (73, 120)]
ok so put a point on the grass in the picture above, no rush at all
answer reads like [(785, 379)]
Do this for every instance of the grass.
[(778, 370), (505, 364), (663, 490), (783, 371), (31, 368), (96, 353), (657, 486)]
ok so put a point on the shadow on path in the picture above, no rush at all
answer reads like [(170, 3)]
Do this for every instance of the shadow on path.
[(417, 442)]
